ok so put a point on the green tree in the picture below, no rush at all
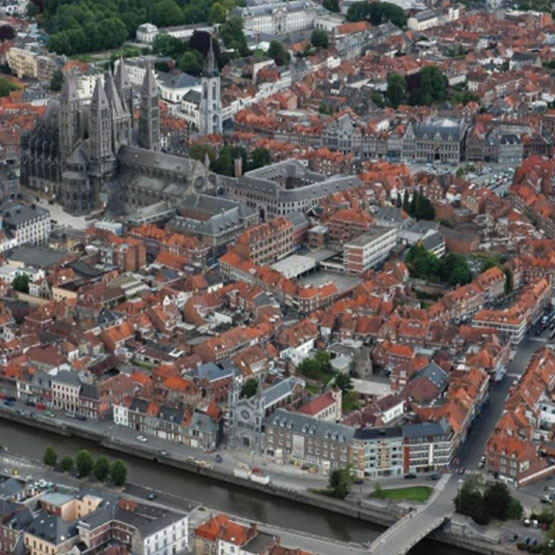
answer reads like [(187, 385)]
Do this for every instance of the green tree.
[(427, 86), (191, 62), (377, 13), (396, 87), (7, 86), (231, 32), (509, 284), (343, 382), (514, 510), (278, 53), (56, 81), (166, 13), (331, 5), (66, 464), (101, 469), (21, 283), (341, 481), (259, 157), (497, 499), (378, 99), (198, 151), (319, 38), (454, 269), (250, 387), (217, 13), (118, 472), (83, 463), (470, 501), (50, 457)]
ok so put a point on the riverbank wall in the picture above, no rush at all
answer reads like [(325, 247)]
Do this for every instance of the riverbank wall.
[(378, 515)]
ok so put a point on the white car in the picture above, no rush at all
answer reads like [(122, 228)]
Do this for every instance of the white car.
[(142, 439)]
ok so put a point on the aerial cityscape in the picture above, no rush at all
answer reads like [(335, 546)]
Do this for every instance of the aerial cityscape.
[(277, 277)]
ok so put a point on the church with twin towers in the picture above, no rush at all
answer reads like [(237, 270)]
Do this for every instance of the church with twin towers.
[(95, 156)]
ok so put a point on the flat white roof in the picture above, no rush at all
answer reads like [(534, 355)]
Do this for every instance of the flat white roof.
[(294, 265)]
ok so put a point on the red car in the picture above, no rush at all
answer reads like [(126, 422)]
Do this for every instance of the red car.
[(40, 406)]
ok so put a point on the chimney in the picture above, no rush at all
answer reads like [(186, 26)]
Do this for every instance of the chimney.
[(238, 167)]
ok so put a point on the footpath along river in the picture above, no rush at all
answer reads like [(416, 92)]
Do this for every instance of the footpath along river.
[(32, 442)]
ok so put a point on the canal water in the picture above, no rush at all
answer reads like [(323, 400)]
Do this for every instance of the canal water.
[(32, 442)]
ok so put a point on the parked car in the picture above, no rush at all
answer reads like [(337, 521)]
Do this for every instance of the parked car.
[(30, 403), (81, 417), (32, 415), (163, 452), (50, 414), (152, 496), (8, 403), (40, 406), (433, 477), (513, 538), (21, 412), (526, 522), (410, 476), (142, 439), (218, 458)]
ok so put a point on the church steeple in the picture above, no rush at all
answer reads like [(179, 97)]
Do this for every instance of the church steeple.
[(121, 120), (210, 102), (149, 117)]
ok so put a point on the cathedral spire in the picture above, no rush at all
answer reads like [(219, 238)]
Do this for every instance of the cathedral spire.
[(99, 99), (113, 95), (69, 89), (149, 116)]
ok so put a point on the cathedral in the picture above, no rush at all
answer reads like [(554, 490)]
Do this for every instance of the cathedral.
[(91, 156)]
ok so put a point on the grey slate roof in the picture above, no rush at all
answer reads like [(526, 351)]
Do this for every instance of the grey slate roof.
[(307, 425), (15, 213), (434, 374)]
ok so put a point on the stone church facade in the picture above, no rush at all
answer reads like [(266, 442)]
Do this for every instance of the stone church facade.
[(92, 157)]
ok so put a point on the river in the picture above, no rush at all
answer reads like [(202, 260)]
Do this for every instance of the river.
[(32, 442)]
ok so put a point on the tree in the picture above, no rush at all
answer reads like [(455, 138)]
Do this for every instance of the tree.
[(217, 13), (469, 500), (497, 499), (454, 269), (200, 40), (377, 13), (250, 387), (343, 382), (396, 87), (514, 510), (118, 472), (278, 53), (6, 86), (259, 157), (21, 283), (427, 86), (166, 13), (191, 62), (7, 32), (317, 366), (331, 5), (66, 464), (378, 99), (50, 457), (101, 469), (83, 463), (509, 284), (57, 81), (231, 32), (198, 151), (340, 482), (319, 38)]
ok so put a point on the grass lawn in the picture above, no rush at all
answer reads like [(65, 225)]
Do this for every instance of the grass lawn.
[(416, 493)]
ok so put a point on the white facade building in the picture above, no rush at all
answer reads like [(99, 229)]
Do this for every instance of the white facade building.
[(27, 224), (146, 33), (369, 249), (170, 535), (278, 18)]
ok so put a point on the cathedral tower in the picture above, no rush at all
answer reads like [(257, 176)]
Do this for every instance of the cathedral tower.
[(149, 117), (121, 119), (69, 121), (210, 102), (124, 87), (101, 155)]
